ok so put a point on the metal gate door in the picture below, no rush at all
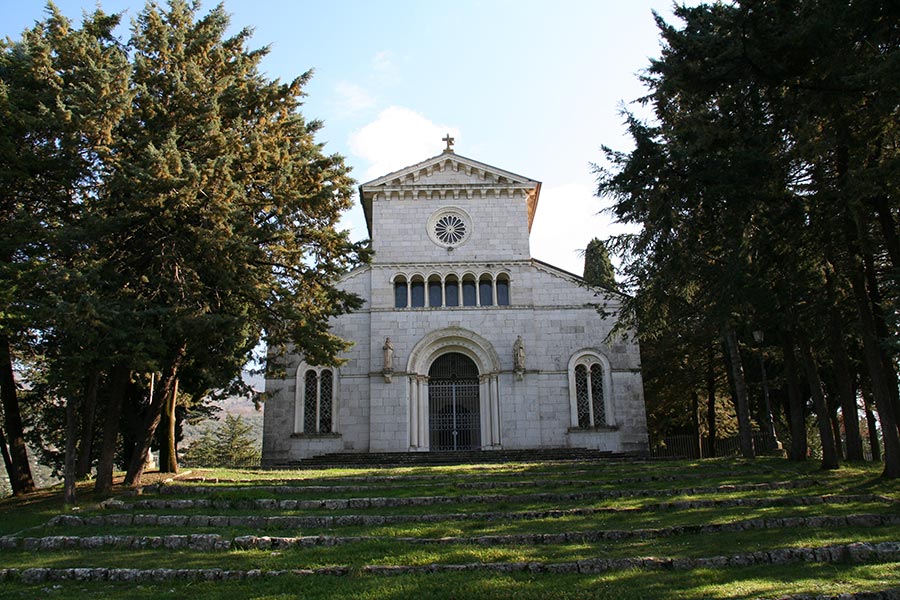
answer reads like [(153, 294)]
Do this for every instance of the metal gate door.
[(453, 403)]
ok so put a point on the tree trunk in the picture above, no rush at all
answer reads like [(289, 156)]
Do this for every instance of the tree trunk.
[(882, 331), (168, 456), (7, 461), (799, 447), (829, 452), (118, 384), (71, 440), (872, 426), (832, 405), (695, 424), (710, 405), (740, 390), (20, 478), (842, 374), (874, 358), (151, 422), (889, 232), (88, 410)]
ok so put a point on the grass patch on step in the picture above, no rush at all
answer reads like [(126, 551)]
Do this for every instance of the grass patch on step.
[(388, 551), (738, 583)]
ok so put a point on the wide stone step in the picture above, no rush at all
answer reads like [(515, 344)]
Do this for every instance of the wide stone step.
[(178, 488), (855, 553), (400, 459), (282, 522), (216, 542), (404, 501)]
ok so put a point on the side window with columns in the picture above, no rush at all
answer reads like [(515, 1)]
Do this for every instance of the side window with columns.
[(589, 390), (314, 400)]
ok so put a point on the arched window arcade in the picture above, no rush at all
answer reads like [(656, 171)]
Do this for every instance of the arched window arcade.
[(448, 291)]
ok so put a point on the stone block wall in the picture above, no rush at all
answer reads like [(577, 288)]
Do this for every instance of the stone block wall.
[(400, 233)]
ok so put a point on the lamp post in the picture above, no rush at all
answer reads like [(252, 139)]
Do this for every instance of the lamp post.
[(774, 444)]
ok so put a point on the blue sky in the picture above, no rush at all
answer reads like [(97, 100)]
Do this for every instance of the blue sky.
[(532, 87)]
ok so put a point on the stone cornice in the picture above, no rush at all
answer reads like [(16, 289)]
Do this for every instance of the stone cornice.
[(481, 264)]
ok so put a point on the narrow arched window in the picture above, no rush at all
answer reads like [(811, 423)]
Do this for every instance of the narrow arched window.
[(452, 290), (502, 290), (400, 293), (597, 404), (435, 293), (589, 390), (314, 408), (470, 292), (417, 293), (582, 397), (326, 393), (486, 291)]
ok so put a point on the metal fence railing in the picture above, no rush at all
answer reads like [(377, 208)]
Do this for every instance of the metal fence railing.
[(686, 446)]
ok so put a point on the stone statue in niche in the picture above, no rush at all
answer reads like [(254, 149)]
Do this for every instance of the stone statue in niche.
[(388, 356), (519, 356)]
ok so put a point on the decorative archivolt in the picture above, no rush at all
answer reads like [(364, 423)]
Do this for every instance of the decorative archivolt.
[(453, 339)]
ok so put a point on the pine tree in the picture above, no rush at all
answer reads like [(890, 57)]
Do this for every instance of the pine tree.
[(765, 180), (232, 444), (61, 92), (186, 205), (598, 269)]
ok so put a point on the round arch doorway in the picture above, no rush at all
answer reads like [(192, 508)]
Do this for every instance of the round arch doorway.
[(454, 408)]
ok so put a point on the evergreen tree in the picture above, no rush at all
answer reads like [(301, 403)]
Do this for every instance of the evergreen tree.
[(164, 211), (232, 444), (62, 89), (756, 189), (598, 269)]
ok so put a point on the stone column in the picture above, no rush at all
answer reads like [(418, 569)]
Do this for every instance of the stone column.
[(495, 410), (484, 408), (413, 393), (422, 387)]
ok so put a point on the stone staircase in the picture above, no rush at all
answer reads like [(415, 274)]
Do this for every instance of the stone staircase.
[(550, 518)]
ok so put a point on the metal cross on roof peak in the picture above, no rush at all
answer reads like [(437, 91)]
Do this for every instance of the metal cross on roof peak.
[(449, 141)]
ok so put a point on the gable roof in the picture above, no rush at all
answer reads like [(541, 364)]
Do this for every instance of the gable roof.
[(448, 171), (577, 279)]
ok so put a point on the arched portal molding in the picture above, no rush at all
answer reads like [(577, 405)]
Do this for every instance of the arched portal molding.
[(453, 339)]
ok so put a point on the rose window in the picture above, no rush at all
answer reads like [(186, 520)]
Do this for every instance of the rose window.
[(450, 229)]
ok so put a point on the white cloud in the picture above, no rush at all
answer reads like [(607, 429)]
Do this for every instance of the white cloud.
[(385, 68), (567, 219), (352, 99), (399, 137)]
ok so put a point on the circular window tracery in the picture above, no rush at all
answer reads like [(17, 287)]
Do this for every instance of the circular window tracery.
[(449, 227)]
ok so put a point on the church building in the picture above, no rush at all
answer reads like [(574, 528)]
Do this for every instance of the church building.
[(465, 342)]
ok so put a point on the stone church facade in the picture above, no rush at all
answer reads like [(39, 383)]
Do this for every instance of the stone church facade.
[(465, 342)]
